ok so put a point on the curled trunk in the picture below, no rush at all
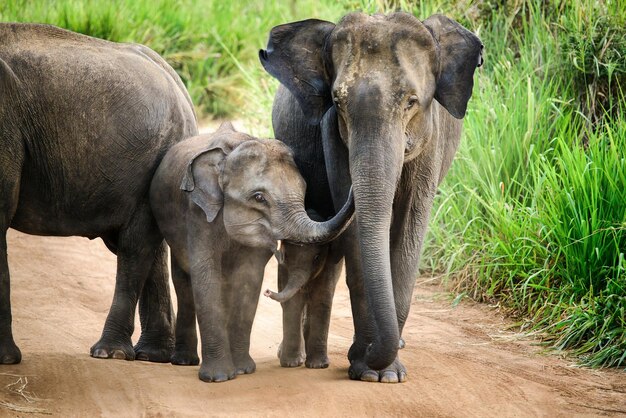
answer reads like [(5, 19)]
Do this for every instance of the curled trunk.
[(301, 229), (296, 282)]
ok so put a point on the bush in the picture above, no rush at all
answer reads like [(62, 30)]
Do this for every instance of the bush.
[(594, 55)]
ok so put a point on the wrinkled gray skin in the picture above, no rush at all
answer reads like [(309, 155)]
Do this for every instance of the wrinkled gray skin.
[(83, 125), (306, 298), (306, 302), (222, 201), (376, 102)]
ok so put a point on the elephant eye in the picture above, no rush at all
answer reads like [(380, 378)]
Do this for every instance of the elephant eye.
[(411, 102), (258, 196)]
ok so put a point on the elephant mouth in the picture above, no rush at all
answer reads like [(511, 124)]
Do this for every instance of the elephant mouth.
[(254, 233)]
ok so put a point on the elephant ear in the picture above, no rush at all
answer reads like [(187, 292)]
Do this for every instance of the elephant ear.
[(203, 171), (460, 52), (295, 55)]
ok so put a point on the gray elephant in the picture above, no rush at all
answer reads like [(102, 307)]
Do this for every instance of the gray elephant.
[(375, 102), (306, 296), (222, 201), (83, 125)]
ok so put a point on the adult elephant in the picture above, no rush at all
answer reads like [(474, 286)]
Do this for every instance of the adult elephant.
[(376, 101), (83, 125)]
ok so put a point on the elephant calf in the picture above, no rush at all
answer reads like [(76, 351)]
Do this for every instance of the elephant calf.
[(306, 296), (222, 201)]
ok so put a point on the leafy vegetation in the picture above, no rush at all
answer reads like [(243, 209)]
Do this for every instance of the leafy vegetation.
[(533, 212)]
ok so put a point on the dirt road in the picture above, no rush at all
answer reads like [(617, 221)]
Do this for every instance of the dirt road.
[(461, 360)]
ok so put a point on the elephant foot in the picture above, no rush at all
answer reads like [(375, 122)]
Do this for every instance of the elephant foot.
[(153, 353), (217, 370), (120, 351), (395, 373), (183, 357), (290, 357), (244, 364), (157, 352), (10, 353), (317, 361)]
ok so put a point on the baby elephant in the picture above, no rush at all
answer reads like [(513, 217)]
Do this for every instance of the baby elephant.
[(222, 201), (306, 297)]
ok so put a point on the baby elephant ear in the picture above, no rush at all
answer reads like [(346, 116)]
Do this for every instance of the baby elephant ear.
[(201, 180), (460, 52)]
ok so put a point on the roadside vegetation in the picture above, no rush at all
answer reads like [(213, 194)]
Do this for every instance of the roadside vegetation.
[(532, 215)]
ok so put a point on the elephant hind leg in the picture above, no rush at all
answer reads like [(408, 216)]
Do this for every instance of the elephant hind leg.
[(139, 245), (9, 352), (11, 158), (155, 313)]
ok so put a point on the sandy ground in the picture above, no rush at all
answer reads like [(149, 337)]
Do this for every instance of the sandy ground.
[(461, 360)]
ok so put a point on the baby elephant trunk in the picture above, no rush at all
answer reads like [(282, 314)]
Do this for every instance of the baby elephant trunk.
[(296, 282)]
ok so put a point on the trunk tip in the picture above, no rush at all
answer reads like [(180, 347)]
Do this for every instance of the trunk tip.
[(273, 295)]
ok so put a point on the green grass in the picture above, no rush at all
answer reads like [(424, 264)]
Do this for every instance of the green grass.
[(212, 44), (533, 211)]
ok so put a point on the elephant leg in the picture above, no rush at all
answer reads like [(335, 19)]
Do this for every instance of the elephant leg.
[(211, 301), (246, 279), (155, 313), (408, 229), (364, 326), (139, 244), (9, 352), (291, 350), (9, 195), (317, 320), (186, 347)]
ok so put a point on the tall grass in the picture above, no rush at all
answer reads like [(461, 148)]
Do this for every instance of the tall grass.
[(533, 211)]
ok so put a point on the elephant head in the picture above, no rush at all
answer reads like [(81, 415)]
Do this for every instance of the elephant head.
[(388, 79), (303, 264), (258, 188)]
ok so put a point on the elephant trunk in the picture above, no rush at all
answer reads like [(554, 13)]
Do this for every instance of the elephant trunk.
[(295, 283), (301, 229), (375, 170)]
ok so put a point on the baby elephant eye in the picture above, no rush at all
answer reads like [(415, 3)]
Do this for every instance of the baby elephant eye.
[(258, 196), (411, 102)]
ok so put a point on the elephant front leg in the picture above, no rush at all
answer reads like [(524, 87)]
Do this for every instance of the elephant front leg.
[(135, 258), (155, 314), (245, 281), (211, 303), (364, 326), (291, 349), (317, 322)]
